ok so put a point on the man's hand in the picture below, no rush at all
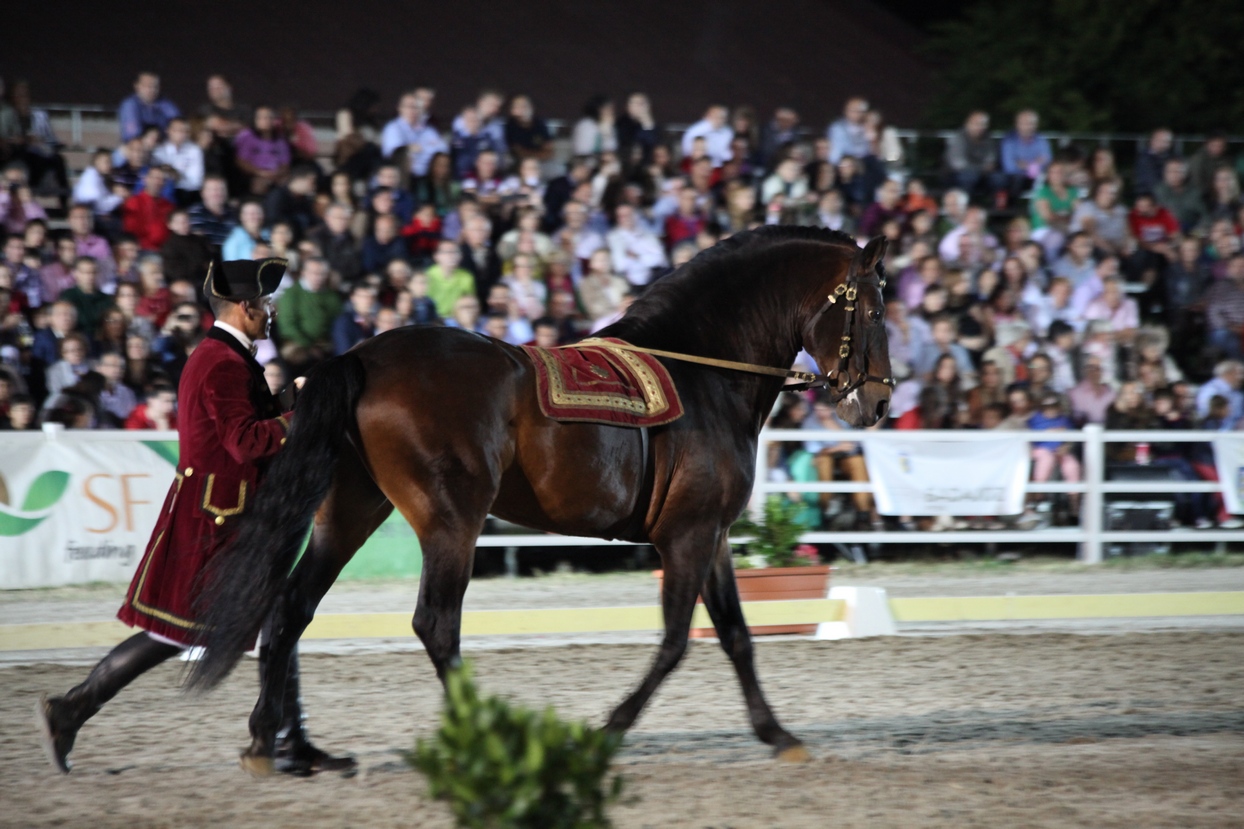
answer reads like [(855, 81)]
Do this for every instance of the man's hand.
[(299, 382)]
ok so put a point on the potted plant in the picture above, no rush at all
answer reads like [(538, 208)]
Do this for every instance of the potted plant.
[(774, 566)]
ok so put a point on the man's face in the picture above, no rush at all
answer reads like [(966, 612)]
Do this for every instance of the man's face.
[(14, 250), (717, 117), (1107, 268), (1175, 173), (338, 219), (1082, 247), (520, 108), (214, 193), (488, 106), (889, 194), (363, 301), (475, 233), (259, 316), (112, 366), (576, 215), (408, 109), (1039, 371), (314, 274), (386, 229), (398, 274), (154, 182), (160, 404), (497, 327), (66, 252), (943, 332), (147, 87), (179, 223), (448, 256), (470, 120), (64, 318), (252, 217), (1160, 141), (855, 110), (263, 119), (626, 217), (80, 221), (486, 165), (179, 132), (1026, 124), (218, 90), (84, 276), (977, 123), (546, 336)]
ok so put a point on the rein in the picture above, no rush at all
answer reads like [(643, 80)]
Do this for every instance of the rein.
[(808, 379)]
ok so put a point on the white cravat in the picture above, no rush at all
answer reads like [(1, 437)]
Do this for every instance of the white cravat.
[(237, 335)]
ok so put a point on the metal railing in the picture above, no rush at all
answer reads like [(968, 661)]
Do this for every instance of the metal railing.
[(1091, 534)]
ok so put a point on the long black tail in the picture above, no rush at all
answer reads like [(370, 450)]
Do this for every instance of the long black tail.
[(247, 577)]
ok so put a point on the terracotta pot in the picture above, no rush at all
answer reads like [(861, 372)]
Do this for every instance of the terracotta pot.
[(762, 584)]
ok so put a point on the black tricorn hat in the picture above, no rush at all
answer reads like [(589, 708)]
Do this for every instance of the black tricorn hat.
[(241, 279)]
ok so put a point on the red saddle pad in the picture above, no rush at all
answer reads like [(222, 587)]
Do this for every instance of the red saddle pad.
[(596, 382)]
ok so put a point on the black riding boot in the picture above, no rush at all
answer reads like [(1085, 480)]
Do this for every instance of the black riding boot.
[(61, 717), (295, 754)]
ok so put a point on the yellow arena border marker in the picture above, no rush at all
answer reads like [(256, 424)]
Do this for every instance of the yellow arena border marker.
[(1102, 606), (474, 623)]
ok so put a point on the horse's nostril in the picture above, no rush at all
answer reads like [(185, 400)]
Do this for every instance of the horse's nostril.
[(883, 406)]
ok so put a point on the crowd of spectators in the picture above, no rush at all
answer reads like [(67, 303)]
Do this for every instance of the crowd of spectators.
[(1031, 286)]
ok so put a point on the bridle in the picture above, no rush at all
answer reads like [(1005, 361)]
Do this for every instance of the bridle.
[(848, 291)]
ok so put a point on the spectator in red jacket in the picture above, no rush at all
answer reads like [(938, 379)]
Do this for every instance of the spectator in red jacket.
[(158, 412), (1154, 227), (145, 215)]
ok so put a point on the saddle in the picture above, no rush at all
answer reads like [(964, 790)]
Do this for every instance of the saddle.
[(595, 381)]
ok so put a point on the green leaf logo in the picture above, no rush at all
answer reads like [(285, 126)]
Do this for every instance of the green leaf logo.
[(43, 494)]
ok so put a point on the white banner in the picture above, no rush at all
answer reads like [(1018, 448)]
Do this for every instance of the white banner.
[(978, 477), (78, 507), (1229, 458)]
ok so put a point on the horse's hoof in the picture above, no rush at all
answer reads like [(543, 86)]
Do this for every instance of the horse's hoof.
[(794, 754), (257, 766)]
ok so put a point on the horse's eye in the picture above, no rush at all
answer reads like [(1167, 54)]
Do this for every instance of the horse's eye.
[(875, 315)]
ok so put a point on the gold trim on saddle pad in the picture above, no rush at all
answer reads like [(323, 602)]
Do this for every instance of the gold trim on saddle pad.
[(653, 404)]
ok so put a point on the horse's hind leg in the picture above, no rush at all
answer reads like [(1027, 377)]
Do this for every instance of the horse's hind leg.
[(353, 510), (721, 597), (685, 560)]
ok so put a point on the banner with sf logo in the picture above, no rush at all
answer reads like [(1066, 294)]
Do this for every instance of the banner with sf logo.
[(950, 477)]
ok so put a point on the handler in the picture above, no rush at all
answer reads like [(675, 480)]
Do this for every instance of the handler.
[(230, 428)]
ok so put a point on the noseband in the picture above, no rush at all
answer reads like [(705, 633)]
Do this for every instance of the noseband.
[(808, 380)]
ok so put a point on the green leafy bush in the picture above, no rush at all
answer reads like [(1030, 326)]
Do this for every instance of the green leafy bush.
[(775, 537), (504, 767)]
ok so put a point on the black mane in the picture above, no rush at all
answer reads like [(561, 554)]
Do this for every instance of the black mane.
[(715, 286)]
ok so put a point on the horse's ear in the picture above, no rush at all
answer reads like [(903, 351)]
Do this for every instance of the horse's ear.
[(866, 260)]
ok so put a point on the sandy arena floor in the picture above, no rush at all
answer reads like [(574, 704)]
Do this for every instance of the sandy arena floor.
[(980, 730)]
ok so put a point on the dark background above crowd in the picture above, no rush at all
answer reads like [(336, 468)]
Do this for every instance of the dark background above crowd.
[(316, 53)]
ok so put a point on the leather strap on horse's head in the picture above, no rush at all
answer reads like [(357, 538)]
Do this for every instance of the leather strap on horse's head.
[(848, 292)]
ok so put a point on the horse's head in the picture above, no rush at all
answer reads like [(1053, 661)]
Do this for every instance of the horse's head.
[(847, 338)]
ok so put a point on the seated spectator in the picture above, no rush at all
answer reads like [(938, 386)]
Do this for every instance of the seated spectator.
[(422, 234), (85, 295), (1224, 309), (57, 276), (1120, 310), (827, 457), (466, 315), (478, 257), (1152, 159), (447, 281), (410, 132), (601, 291), (972, 158), (526, 226), (337, 243), (306, 314), (716, 133), (249, 231), (145, 215), (1223, 201), (186, 255), (303, 146), (547, 333), (1092, 396), (212, 218), (1046, 455), (111, 334), (156, 302), (595, 132), (575, 238), (74, 362), (357, 320), (991, 390), (262, 153), (95, 187), (636, 253), (1025, 154), (687, 222), (943, 330), (1178, 195), (1206, 161), (1077, 264), (1019, 407), (389, 177), (1128, 411), (185, 158), (970, 244), (62, 321), (157, 412), (21, 414), (117, 401), (469, 139), (145, 108), (141, 372), (1154, 228), (1226, 383), (1105, 220), (382, 246), (886, 208), (18, 206), (422, 310), (1052, 206), (294, 201)]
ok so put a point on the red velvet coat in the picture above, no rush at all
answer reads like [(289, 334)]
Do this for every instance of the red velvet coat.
[(230, 425)]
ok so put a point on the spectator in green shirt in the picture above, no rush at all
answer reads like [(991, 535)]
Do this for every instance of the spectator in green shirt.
[(86, 296), (305, 315), (447, 282)]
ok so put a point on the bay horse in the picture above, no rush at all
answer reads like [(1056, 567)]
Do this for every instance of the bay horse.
[(445, 426)]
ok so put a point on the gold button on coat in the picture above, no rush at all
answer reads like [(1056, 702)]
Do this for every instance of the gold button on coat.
[(189, 471), (220, 519)]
